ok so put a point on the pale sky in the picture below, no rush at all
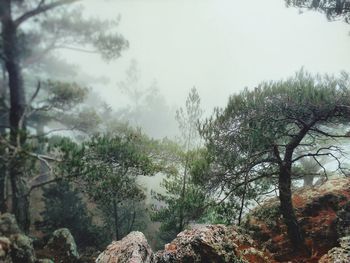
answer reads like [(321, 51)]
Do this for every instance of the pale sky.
[(219, 46)]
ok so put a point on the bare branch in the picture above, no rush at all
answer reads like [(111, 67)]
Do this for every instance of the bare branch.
[(323, 168), (77, 49), (330, 135), (318, 152), (42, 184), (243, 183), (41, 157), (38, 87)]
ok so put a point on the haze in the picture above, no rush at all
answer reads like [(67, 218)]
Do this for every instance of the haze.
[(218, 46)]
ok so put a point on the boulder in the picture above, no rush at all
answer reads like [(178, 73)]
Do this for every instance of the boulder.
[(22, 249), (61, 247), (133, 248), (5, 244), (212, 243), (338, 254), (45, 260)]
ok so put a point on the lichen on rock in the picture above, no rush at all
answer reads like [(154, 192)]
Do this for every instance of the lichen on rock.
[(62, 247), (338, 254), (22, 249), (133, 248), (212, 243)]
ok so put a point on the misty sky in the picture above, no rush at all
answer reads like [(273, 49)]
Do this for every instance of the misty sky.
[(219, 46)]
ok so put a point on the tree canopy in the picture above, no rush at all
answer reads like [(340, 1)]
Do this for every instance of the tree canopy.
[(255, 137)]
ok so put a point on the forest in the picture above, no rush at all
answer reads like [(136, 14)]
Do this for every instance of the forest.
[(88, 160)]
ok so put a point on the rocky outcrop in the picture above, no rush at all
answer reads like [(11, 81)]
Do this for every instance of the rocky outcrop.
[(61, 247), (338, 254), (133, 248), (22, 249), (14, 246), (323, 214), (212, 243), (5, 244)]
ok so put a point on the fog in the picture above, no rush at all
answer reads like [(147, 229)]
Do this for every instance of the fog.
[(219, 47)]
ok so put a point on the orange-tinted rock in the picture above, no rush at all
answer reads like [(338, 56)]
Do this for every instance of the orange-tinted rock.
[(323, 214), (212, 243)]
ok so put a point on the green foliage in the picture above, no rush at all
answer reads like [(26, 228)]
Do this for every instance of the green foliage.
[(74, 30), (184, 201), (64, 207), (31, 30), (172, 205), (107, 167), (64, 95)]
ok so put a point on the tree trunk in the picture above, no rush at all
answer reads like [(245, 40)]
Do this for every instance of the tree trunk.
[(3, 168), (183, 197), (3, 122), (3, 207), (43, 171), (115, 213), (242, 201), (308, 180), (285, 196), (20, 202)]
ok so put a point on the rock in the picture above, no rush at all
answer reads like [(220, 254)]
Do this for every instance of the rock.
[(343, 221), (22, 249), (5, 244), (62, 247), (8, 225), (322, 212), (133, 248), (338, 254), (211, 243), (45, 260)]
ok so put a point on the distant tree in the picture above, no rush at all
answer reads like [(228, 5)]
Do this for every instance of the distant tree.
[(144, 104), (188, 120), (260, 130), (333, 9), (183, 200)]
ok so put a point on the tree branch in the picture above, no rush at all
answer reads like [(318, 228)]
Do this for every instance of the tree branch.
[(317, 153), (328, 134), (41, 8), (43, 184)]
